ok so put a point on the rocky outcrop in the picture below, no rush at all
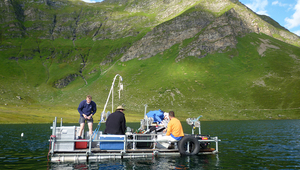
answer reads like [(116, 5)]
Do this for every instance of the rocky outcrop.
[(214, 34), (266, 25), (65, 81), (113, 54), (22, 58), (219, 36), (52, 19), (166, 35)]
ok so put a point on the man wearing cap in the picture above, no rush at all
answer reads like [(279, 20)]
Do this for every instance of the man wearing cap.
[(87, 108), (116, 122)]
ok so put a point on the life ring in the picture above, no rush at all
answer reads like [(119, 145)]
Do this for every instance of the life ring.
[(188, 145)]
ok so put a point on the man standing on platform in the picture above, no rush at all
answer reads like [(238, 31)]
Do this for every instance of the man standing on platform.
[(87, 108)]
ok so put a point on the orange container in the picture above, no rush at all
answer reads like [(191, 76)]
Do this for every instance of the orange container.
[(81, 145)]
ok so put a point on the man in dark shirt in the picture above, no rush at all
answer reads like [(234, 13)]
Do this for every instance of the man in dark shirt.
[(87, 108), (116, 122)]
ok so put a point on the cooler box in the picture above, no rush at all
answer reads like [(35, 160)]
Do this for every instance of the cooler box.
[(65, 133), (81, 145), (112, 145)]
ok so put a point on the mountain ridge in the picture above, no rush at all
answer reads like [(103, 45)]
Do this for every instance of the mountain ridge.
[(53, 52)]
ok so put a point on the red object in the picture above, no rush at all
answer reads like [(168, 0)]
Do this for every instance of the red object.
[(81, 145)]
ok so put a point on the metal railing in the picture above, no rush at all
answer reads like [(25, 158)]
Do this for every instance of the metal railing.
[(126, 140)]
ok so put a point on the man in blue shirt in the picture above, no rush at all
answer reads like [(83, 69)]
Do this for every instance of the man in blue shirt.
[(87, 108)]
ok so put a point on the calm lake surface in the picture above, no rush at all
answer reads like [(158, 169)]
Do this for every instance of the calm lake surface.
[(259, 144)]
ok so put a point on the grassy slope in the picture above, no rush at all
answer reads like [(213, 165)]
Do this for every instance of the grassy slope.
[(243, 86), (239, 84)]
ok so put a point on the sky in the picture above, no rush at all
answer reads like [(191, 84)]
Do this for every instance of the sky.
[(285, 12)]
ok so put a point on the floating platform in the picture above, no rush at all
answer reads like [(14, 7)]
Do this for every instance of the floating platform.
[(83, 155), (64, 147)]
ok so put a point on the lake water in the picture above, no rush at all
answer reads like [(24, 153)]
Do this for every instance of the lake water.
[(259, 144)]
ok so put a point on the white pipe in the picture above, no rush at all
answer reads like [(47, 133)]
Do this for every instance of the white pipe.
[(217, 144), (112, 99), (110, 92), (145, 111), (199, 127)]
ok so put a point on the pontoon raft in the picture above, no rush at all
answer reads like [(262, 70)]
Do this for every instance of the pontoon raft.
[(65, 147)]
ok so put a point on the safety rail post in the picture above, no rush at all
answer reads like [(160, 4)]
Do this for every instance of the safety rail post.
[(133, 145), (145, 116), (90, 144), (217, 144), (53, 135), (125, 144), (154, 142), (145, 111), (199, 127)]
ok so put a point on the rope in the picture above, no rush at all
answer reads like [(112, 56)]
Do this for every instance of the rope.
[(50, 142), (96, 130)]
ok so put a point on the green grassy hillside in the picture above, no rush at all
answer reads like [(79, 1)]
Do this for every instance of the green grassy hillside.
[(54, 54), (239, 84)]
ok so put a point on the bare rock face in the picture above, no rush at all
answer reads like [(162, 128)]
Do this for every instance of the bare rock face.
[(217, 37), (217, 34), (65, 81), (105, 23), (168, 34)]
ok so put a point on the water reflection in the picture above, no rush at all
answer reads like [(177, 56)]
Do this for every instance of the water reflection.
[(263, 144)]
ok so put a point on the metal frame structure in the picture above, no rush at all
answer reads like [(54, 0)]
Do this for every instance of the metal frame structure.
[(96, 154)]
